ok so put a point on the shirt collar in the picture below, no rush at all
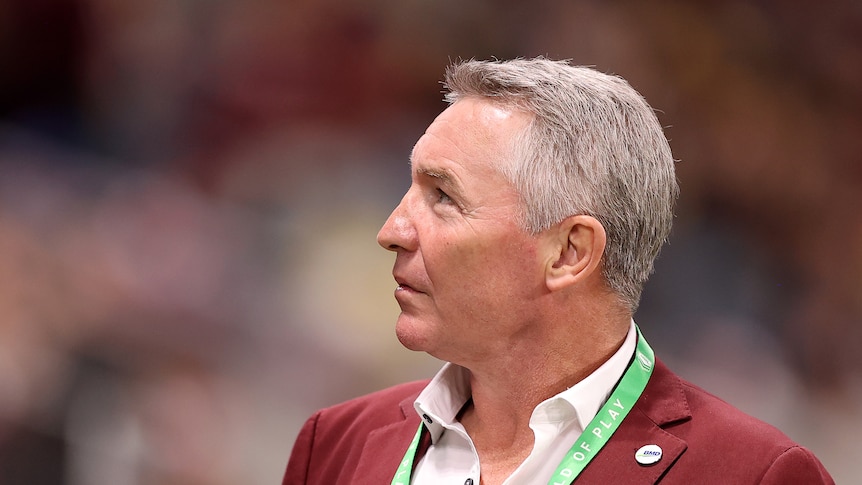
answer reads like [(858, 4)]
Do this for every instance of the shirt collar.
[(443, 398)]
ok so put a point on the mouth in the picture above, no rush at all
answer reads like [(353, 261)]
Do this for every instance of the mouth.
[(404, 286)]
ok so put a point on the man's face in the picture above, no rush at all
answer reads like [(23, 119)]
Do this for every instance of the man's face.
[(465, 269)]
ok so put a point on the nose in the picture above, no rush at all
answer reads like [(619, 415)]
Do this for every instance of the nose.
[(398, 232)]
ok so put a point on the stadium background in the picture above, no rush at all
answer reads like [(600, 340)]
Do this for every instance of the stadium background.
[(190, 192)]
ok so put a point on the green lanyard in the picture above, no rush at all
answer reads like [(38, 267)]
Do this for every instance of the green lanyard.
[(595, 435)]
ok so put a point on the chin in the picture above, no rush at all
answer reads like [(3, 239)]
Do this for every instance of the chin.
[(412, 334)]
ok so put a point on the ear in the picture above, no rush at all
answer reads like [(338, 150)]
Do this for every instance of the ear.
[(577, 250)]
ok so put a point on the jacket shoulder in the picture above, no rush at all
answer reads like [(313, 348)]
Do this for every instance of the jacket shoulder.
[(376, 408), (731, 446), (686, 408), (366, 435), (724, 419)]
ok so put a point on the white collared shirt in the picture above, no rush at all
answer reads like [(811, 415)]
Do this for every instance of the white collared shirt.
[(556, 422)]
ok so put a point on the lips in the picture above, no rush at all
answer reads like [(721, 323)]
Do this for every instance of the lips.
[(405, 284)]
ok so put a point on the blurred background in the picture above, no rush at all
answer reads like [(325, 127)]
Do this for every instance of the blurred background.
[(190, 192)]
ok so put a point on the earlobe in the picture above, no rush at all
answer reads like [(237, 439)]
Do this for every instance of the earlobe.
[(580, 244)]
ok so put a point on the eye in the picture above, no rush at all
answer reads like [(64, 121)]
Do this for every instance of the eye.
[(443, 197)]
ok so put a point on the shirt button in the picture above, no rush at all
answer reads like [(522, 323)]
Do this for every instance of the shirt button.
[(468, 481), (428, 419)]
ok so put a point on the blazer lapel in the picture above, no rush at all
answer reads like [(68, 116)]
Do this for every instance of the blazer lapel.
[(663, 402), (384, 447)]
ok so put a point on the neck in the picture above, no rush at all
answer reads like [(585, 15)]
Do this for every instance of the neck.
[(506, 389)]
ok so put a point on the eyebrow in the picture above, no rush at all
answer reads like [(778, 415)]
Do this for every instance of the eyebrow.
[(443, 174)]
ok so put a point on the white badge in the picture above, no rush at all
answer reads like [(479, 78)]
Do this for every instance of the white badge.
[(648, 455)]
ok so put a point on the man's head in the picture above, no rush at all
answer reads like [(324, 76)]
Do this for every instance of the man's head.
[(594, 147), (542, 190)]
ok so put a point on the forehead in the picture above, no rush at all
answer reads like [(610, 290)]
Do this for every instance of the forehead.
[(472, 133)]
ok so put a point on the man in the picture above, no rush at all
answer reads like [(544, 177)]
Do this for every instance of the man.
[(539, 200)]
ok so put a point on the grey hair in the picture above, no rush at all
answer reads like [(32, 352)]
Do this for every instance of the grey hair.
[(594, 147)]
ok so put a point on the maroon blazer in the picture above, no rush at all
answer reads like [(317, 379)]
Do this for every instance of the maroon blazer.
[(704, 440)]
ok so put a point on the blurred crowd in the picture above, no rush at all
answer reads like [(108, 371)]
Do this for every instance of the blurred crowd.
[(190, 192)]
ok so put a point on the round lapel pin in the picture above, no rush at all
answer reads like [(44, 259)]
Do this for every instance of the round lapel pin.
[(648, 455)]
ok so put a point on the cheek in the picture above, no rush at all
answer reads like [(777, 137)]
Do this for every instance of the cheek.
[(453, 259), (479, 269)]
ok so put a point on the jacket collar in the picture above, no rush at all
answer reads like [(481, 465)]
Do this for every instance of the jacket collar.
[(662, 403), (385, 447)]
